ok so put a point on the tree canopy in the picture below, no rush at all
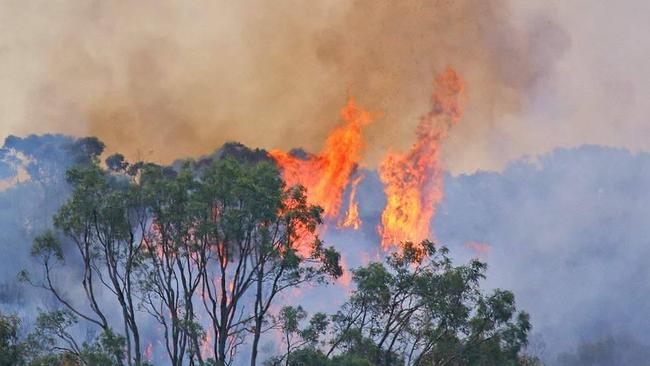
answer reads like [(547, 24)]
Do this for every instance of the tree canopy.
[(417, 308), (201, 253)]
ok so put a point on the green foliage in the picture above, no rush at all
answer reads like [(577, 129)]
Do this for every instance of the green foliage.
[(420, 309), (154, 237), (350, 359), (290, 318), (41, 346), (86, 150), (117, 163), (10, 348), (47, 246), (228, 236), (309, 356), (108, 350)]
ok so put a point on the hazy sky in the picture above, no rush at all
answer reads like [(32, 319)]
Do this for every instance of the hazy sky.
[(163, 79)]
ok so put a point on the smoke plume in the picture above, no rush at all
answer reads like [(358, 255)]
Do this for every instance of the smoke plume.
[(165, 79)]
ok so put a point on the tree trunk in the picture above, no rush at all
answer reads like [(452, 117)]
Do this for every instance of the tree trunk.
[(256, 341)]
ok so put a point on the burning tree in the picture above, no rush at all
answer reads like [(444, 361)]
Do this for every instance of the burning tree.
[(204, 251), (327, 174)]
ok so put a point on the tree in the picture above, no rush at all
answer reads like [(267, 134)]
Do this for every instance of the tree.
[(10, 348), (116, 163), (205, 249), (172, 254), (419, 309), (101, 219), (226, 237), (291, 256), (228, 233), (246, 226), (41, 347), (304, 341)]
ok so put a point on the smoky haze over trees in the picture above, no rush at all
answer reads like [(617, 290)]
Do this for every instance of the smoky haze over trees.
[(566, 233), (32, 179), (201, 254), (152, 240)]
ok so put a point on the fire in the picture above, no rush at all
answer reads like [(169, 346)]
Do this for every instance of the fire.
[(352, 219), (346, 279), (482, 250), (303, 237), (206, 343), (148, 352), (413, 180), (326, 175)]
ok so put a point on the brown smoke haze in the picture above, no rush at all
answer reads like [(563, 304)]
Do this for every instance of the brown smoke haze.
[(167, 79)]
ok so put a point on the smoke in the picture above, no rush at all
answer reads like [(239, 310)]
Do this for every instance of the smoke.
[(166, 79), (621, 350), (33, 188), (568, 234)]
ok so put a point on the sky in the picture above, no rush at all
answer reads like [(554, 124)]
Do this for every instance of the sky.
[(164, 79)]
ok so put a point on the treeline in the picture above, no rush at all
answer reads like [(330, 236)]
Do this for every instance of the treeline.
[(206, 250)]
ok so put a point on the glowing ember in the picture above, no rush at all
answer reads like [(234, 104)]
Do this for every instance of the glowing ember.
[(326, 175), (346, 279), (206, 342), (413, 180), (482, 250), (148, 352), (303, 237), (352, 219)]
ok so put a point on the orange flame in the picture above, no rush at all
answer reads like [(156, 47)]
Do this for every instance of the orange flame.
[(326, 175), (302, 236), (206, 344), (352, 219), (413, 180), (148, 352), (346, 279), (482, 250)]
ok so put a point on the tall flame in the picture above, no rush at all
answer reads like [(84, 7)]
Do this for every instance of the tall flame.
[(326, 175), (413, 180), (351, 219)]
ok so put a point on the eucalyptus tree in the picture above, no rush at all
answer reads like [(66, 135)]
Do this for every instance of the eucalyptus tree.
[(420, 309), (173, 272), (101, 221), (252, 229), (204, 250)]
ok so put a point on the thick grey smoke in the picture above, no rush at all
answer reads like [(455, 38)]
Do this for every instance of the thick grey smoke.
[(33, 187), (167, 79), (569, 234), (566, 232)]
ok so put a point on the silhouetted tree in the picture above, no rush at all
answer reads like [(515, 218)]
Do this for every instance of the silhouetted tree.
[(420, 309), (224, 237)]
